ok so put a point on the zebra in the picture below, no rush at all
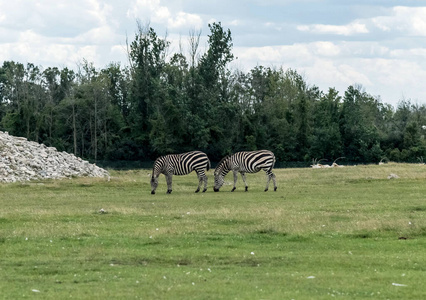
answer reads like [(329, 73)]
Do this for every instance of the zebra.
[(245, 162), (180, 164)]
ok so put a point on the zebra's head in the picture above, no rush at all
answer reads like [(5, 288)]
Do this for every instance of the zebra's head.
[(218, 180), (156, 170), (154, 184), (219, 174)]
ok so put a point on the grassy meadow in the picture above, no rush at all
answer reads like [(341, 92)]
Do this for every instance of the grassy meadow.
[(340, 232)]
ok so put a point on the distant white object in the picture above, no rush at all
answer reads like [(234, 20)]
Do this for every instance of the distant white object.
[(424, 127), (393, 176), (398, 284), (316, 164)]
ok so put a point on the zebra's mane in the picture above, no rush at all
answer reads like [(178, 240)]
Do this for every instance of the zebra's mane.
[(158, 159), (223, 159)]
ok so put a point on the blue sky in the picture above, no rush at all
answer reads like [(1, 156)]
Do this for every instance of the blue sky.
[(378, 44)]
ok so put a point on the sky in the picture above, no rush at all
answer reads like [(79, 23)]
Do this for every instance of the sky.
[(377, 44)]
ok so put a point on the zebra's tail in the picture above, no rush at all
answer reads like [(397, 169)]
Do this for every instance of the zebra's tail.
[(208, 164)]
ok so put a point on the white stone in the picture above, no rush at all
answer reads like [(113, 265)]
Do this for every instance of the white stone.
[(23, 160)]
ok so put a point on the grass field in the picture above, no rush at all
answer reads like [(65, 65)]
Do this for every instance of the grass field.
[(326, 233)]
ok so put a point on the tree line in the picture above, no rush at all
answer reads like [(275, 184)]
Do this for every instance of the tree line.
[(163, 103)]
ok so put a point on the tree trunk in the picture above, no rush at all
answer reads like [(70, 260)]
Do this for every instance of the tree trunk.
[(74, 130)]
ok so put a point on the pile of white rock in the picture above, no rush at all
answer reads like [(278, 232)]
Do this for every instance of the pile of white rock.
[(23, 160)]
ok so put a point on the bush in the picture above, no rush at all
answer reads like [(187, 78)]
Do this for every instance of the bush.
[(395, 155)]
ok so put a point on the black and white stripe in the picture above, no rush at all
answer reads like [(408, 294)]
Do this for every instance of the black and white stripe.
[(245, 162), (180, 164)]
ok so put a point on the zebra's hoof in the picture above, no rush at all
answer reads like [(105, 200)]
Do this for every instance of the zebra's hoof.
[(169, 191), (152, 192), (204, 190), (197, 190), (246, 188), (266, 190), (233, 189), (275, 189)]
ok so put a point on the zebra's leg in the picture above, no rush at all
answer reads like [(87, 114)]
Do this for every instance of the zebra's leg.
[(269, 176), (169, 183), (268, 179), (202, 177), (205, 178), (243, 175), (275, 182), (200, 180), (235, 181)]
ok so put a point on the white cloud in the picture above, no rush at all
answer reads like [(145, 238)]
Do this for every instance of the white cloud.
[(103, 35), (56, 33), (273, 56), (302, 55), (50, 51), (407, 20), (382, 71), (153, 11), (273, 26), (53, 18), (346, 30), (185, 20), (313, 59), (385, 57), (404, 20), (119, 51), (326, 48), (413, 53)]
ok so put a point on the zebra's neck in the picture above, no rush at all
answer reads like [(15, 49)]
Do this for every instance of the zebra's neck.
[(225, 167), (158, 168)]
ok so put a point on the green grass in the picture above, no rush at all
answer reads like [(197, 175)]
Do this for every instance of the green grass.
[(342, 232)]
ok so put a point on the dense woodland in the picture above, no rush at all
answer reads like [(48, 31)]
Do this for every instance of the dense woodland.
[(163, 103)]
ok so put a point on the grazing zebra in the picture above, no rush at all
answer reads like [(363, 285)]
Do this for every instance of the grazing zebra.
[(180, 164), (245, 162)]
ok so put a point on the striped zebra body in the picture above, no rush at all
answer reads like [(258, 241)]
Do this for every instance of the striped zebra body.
[(180, 164), (245, 162)]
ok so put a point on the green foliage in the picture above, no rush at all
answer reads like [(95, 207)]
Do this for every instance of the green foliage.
[(166, 103), (395, 155)]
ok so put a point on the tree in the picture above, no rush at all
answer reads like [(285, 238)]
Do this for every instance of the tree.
[(208, 93), (325, 140), (168, 130), (219, 54), (358, 126), (25, 97), (147, 57)]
